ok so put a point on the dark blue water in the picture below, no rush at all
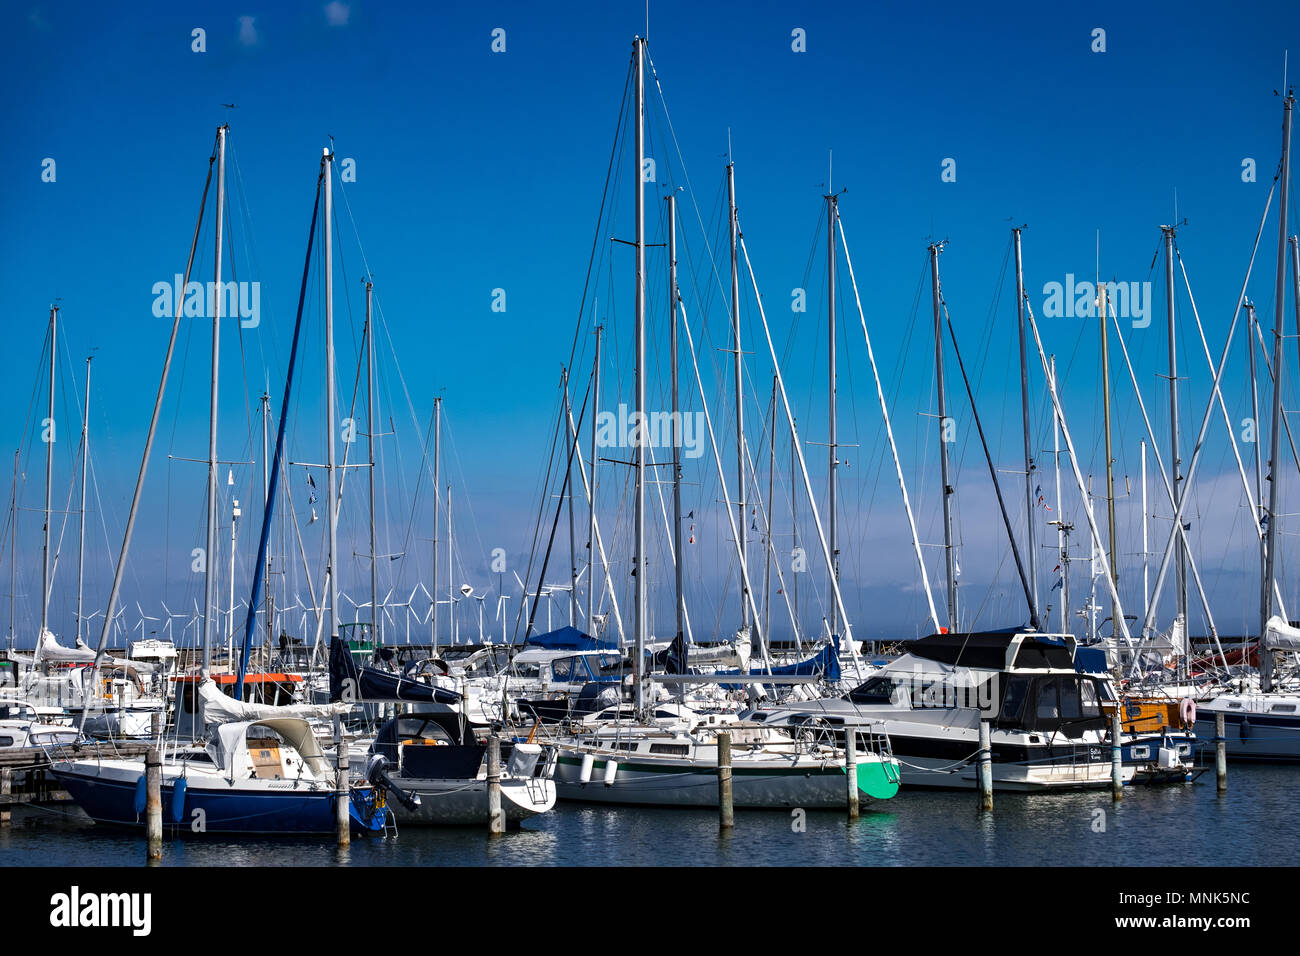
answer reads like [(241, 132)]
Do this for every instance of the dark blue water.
[(1181, 825)]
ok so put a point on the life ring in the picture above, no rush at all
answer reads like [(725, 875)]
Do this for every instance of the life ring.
[(1187, 710)]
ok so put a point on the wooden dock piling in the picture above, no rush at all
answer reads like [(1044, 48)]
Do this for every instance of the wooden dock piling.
[(986, 765), (342, 821), (153, 794), (1117, 752), (1220, 755), (851, 769), (496, 818), (726, 813)]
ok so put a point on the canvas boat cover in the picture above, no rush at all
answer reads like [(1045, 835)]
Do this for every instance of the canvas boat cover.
[(220, 709), (1281, 636)]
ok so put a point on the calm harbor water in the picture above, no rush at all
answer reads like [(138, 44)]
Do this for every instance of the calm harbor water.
[(1180, 825)]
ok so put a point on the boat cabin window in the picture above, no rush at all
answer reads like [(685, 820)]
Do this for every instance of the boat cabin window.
[(1067, 703), (6, 741), (1283, 708), (1013, 701), (877, 690), (676, 750), (563, 668), (264, 750), (1049, 708), (1091, 706), (416, 729)]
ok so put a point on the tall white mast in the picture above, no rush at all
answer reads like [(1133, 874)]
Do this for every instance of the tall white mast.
[(832, 211), (209, 555), (451, 574), (437, 437), (639, 570), (1062, 530), (85, 460), (591, 492), (739, 373), (268, 600), (230, 605), (50, 435), (675, 418), (370, 447)]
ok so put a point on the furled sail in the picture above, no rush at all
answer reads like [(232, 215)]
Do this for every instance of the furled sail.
[(220, 709), (1281, 636)]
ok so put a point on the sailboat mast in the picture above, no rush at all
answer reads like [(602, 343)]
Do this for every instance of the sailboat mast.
[(230, 604), (331, 476), (591, 503), (451, 574), (568, 502), (675, 418), (370, 450), (50, 435), (209, 554), (1146, 578), (794, 535), (433, 609), (1252, 323), (1062, 537), (81, 534), (738, 365), (771, 511), (1103, 309), (13, 552), (949, 554), (1274, 463), (832, 212), (1030, 466), (1175, 461), (639, 570), (267, 600)]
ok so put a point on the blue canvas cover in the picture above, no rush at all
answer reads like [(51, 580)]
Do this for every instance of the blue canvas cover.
[(569, 638)]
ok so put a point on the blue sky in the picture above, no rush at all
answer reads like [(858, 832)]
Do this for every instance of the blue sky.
[(478, 170)]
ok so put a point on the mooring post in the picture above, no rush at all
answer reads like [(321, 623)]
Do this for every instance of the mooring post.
[(496, 818), (851, 768), (1117, 752), (342, 824), (1220, 754), (153, 792), (6, 789), (726, 813), (986, 765)]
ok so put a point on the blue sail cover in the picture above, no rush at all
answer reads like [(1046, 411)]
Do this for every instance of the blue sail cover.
[(371, 684), (569, 638), (825, 663), (1090, 660)]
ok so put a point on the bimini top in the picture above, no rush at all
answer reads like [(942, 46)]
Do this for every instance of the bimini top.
[(569, 638), (231, 740), (997, 650)]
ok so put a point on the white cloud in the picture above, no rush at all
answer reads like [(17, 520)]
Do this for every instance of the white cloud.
[(247, 32), (336, 13)]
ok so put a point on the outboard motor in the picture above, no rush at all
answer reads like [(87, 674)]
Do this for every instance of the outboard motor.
[(377, 774)]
